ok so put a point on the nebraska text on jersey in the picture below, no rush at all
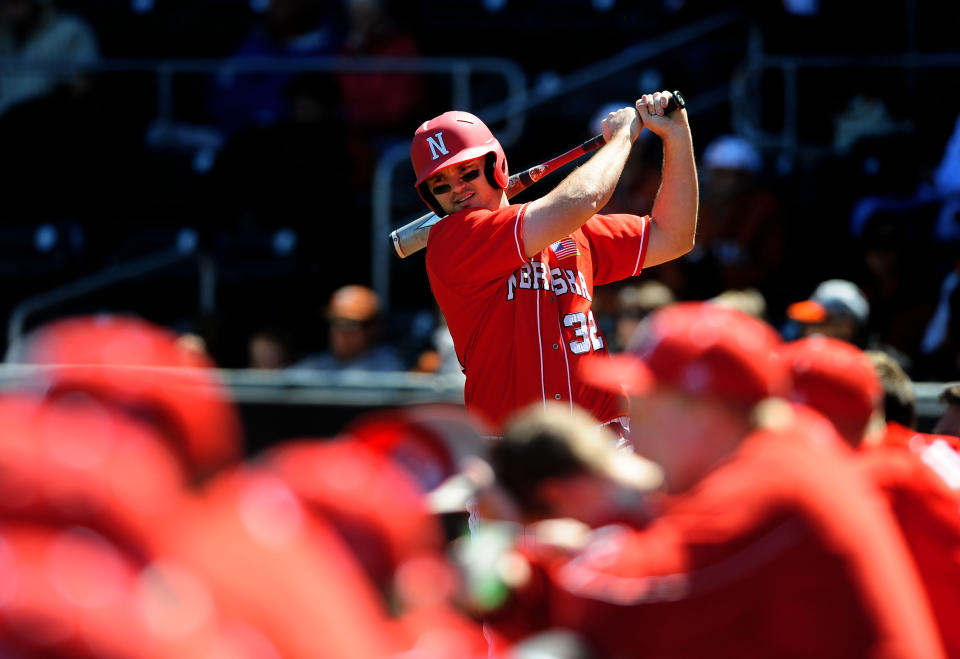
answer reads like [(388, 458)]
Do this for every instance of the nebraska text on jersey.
[(519, 324)]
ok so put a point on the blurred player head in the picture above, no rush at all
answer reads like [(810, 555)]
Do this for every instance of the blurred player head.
[(838, 380), (459, 164), (376, 507), (557, 464), (695, 372), (142, 371)]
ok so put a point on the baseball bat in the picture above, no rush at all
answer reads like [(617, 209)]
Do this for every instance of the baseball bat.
[(412, 237)]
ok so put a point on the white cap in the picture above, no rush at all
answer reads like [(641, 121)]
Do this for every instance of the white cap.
[(832, 297), (732, 152)]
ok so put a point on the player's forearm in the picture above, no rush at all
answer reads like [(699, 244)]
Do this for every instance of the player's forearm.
[(675, 208), (577, 198)]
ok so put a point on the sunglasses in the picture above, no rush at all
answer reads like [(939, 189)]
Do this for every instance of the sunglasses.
[(466, 177)]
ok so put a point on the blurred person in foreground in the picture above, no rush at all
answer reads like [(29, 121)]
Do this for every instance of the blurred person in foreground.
[(355, 323), (381, 513), (96, 462), (916, 473), (145, 374), (561, 465), (231, 546), (770, 543)]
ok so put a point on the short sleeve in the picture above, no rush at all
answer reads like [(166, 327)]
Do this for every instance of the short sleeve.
[(619, 245), (477, 246)]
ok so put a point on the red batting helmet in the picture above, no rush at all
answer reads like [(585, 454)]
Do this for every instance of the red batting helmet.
[(452, 138)]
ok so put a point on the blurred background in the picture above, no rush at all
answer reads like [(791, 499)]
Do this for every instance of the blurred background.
[(225, 168)]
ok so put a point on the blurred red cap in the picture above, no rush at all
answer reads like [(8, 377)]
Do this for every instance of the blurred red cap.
[(143, 369), (72, 465), (698, 348), (374, 505), (835, 378), (427, 441)]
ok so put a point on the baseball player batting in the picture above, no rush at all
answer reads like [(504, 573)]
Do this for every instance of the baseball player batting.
[(515, 282)]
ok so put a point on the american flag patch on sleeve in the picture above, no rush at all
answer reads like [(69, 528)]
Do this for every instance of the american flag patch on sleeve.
[(564, 248)]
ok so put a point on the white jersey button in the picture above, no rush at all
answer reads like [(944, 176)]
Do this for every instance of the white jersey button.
[(557, 396), (556, 346)]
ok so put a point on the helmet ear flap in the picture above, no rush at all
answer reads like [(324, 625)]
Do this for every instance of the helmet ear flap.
[(430, 200), (489, 169), (496, 178)]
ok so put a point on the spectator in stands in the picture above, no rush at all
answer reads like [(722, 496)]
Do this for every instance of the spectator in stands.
[(439, 356), (291, 29), (634, 302), (356, 326), (269, 349), (741, 225), (940, 348), (749, 301), (949, 421), (899, 397), (36, 31), (379, 103), (49, 126), (837, 308)]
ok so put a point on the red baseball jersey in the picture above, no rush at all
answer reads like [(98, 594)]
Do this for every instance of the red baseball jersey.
[(519, 324), (929, 516), (785, 550), (918, 473)]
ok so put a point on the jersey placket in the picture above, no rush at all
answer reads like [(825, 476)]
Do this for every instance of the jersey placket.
[(553, 346)]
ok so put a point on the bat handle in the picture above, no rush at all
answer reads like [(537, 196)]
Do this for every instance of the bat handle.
[(676, 102), (412, 237)]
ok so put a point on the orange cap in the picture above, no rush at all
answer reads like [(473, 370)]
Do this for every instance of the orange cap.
[(354, 302)]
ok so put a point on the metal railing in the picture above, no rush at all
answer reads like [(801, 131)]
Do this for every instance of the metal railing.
[(294, 387), (185, 250), (461, 70), (747, 115)]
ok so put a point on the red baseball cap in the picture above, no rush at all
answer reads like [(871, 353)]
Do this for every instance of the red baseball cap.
[(142, 368), (835, 378), (699, 348), (374, 504)]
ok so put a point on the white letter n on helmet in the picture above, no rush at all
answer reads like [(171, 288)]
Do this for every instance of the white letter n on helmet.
[(437, 147)]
